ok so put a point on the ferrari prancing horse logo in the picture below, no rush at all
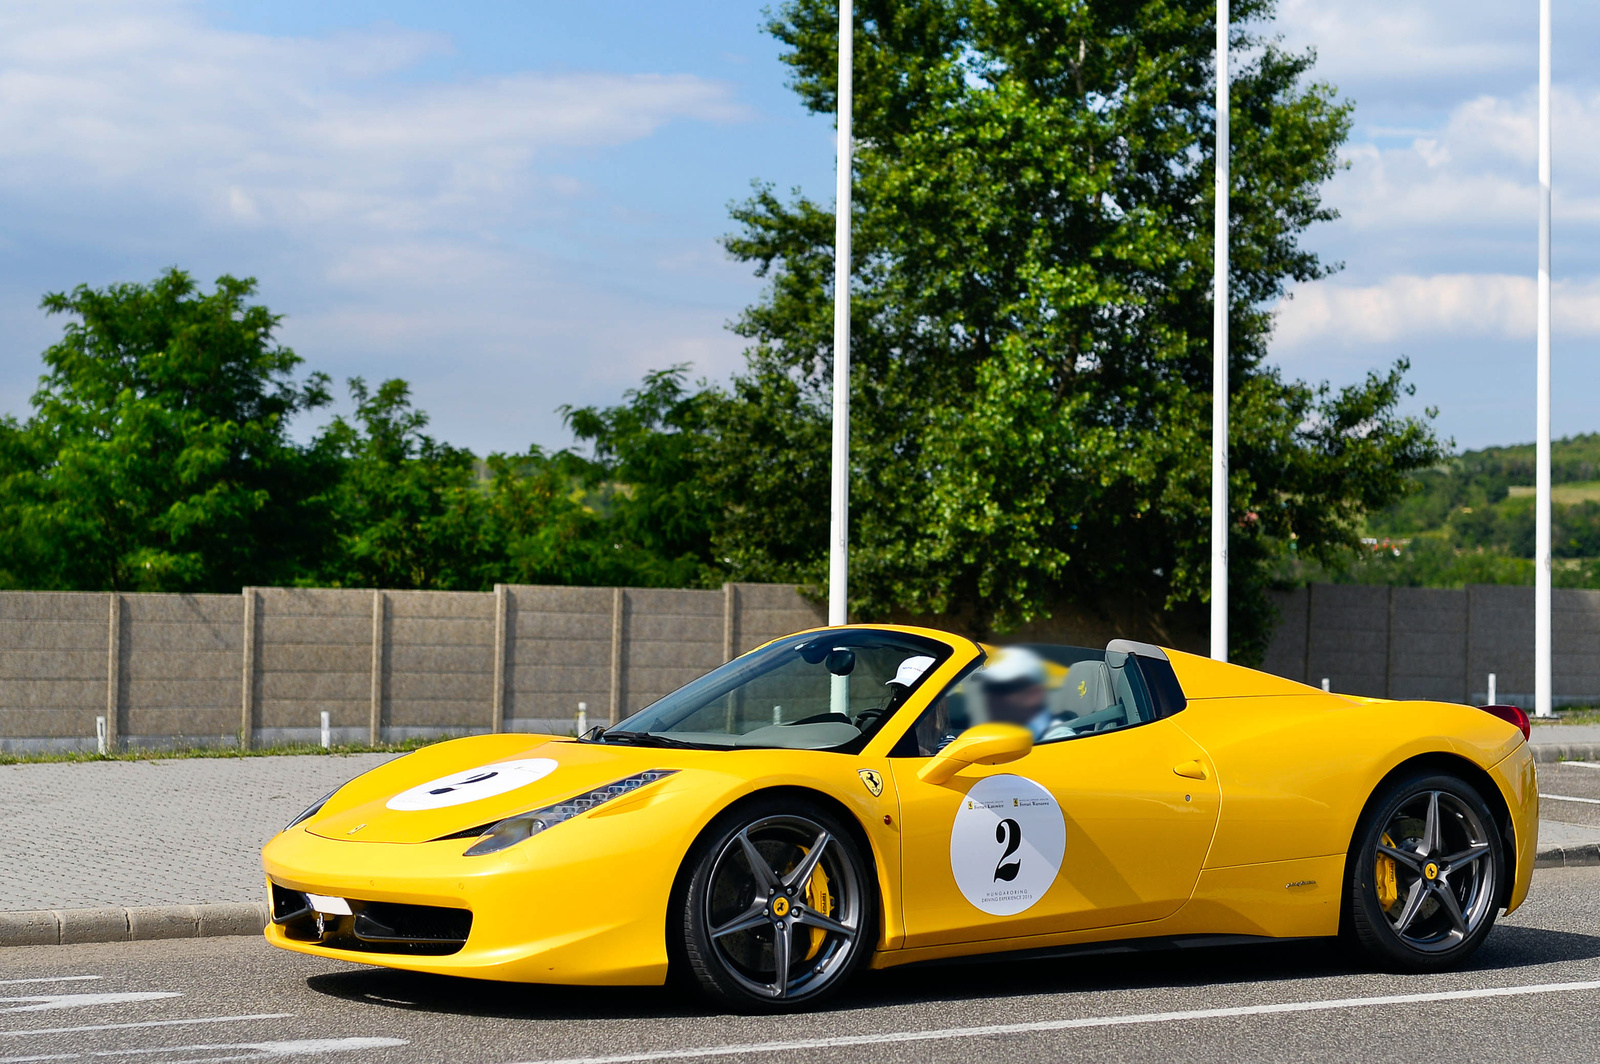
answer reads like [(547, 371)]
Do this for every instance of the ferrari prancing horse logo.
[(873, 780)]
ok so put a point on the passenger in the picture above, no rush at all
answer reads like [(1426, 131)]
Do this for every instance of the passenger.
[(1013, 686)]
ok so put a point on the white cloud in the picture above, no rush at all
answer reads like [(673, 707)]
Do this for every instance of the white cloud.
[(298, 132), (432, 227), (1478, 169), (1443, 305)]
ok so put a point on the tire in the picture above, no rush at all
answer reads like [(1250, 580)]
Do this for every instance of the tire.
[(1424, 875), (780, 908)]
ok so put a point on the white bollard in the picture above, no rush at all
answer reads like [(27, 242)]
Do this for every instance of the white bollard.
[(100, 734), (1325, 686), (583, 717), (1491, 689), (777, 714), (327, 732)]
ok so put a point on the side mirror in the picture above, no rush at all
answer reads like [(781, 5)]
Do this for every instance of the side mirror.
[(985, 744)]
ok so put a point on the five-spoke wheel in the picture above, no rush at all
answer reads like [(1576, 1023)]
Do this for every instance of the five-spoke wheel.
[(779, 907), (1425, 874)]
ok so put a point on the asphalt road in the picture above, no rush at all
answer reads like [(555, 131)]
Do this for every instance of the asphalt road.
[(1570, 791), (1532, 994)]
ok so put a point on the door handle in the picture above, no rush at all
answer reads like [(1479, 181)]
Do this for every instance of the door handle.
[(1193, 770)]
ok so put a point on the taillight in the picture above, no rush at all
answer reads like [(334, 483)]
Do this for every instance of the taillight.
[(1512, 715)]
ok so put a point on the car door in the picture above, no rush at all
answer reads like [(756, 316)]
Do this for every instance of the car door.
[(1090, 830)]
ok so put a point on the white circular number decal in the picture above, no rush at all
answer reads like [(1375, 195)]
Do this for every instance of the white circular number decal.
[(1007, 844), (458, 788)]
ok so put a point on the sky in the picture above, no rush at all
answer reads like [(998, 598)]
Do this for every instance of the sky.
[(517, 205)]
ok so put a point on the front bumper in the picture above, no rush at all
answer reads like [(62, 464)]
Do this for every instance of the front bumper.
[(581, 906)]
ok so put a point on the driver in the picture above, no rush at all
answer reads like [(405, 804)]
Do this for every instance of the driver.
[(1013, 686)]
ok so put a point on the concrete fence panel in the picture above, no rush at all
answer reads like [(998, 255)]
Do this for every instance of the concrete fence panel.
[(438, 661), (178, 668), (1350, 636), (669, 638), (313, 654), (54, 674), (558, 654), (1427, 645), (263, 666), (1440, 644), (1500, 641)]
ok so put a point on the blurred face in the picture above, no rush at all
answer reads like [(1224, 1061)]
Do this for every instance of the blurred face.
[(1016, 707)]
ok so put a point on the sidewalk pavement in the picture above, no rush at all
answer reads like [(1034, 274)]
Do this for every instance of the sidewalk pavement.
[(115, 850), (119, 850), (1566, 742)]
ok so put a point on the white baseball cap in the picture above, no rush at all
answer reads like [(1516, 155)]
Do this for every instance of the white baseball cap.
[(910, 670), (1012, 667)]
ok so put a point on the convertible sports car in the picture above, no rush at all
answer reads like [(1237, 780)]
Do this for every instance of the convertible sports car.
[(880, 795)]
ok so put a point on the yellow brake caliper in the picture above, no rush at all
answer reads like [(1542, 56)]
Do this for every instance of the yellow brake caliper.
[(818, 900), (1388, 886)]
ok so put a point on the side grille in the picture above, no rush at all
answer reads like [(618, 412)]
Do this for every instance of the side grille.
[(374, 926)]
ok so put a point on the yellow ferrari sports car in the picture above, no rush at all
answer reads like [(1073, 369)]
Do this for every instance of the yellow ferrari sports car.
[(880, 795)]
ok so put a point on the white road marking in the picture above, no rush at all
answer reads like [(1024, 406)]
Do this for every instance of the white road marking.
[(149, 1023), (991, 1030), (49, 979), (49, 1002), (255, 1050), (287, 1048), (1565, 798), (1582, 764)]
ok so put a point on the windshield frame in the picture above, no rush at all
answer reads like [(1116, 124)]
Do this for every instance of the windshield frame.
[(951, 653)]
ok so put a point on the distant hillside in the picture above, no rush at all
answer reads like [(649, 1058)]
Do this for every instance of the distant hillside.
[(1471, 521)]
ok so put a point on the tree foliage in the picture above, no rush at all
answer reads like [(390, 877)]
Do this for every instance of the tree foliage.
[(157, 456), (1030, 381), (1031, 351)]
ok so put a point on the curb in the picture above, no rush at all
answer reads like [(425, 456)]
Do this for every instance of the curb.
[(1568, 856), (1548, 752), (67, 927)]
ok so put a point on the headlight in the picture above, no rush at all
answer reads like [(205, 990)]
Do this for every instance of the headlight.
[(513, 830), (313, 809)]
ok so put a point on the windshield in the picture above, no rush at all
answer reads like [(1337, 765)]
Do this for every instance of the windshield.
[(820, 691)]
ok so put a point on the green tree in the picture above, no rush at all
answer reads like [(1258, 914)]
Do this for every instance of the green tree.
[(1032, 343), (157, 454), (408, 510), (648, 470)]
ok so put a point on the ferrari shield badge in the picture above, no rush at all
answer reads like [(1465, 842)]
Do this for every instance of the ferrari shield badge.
[(873, 780)]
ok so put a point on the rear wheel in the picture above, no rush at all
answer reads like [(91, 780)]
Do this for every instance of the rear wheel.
[(779, 910), (1424, 874)]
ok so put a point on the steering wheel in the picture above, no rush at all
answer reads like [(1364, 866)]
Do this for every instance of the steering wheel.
[(867, 716)]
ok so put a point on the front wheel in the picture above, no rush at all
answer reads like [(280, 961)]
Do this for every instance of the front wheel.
[(779, 910), (1424, 875)]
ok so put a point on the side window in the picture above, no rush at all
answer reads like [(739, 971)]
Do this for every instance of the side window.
[(1058, 696), (1094, 697), (946, 717)]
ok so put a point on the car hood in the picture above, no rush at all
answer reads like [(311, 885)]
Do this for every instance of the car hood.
[(455, 786)]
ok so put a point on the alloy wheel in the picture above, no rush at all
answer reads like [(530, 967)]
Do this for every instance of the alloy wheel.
[(1434, 872), (784, 907)]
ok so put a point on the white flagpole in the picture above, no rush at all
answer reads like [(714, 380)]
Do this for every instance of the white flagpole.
[(1219, 357), (839, 522), (1541, 550)]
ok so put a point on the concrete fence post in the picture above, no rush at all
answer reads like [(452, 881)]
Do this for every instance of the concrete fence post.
[(1388, 649), (247, 699), (113, 729), (730, 620), (375, 706), (618, 602), (1305, 668), (497, 709)]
